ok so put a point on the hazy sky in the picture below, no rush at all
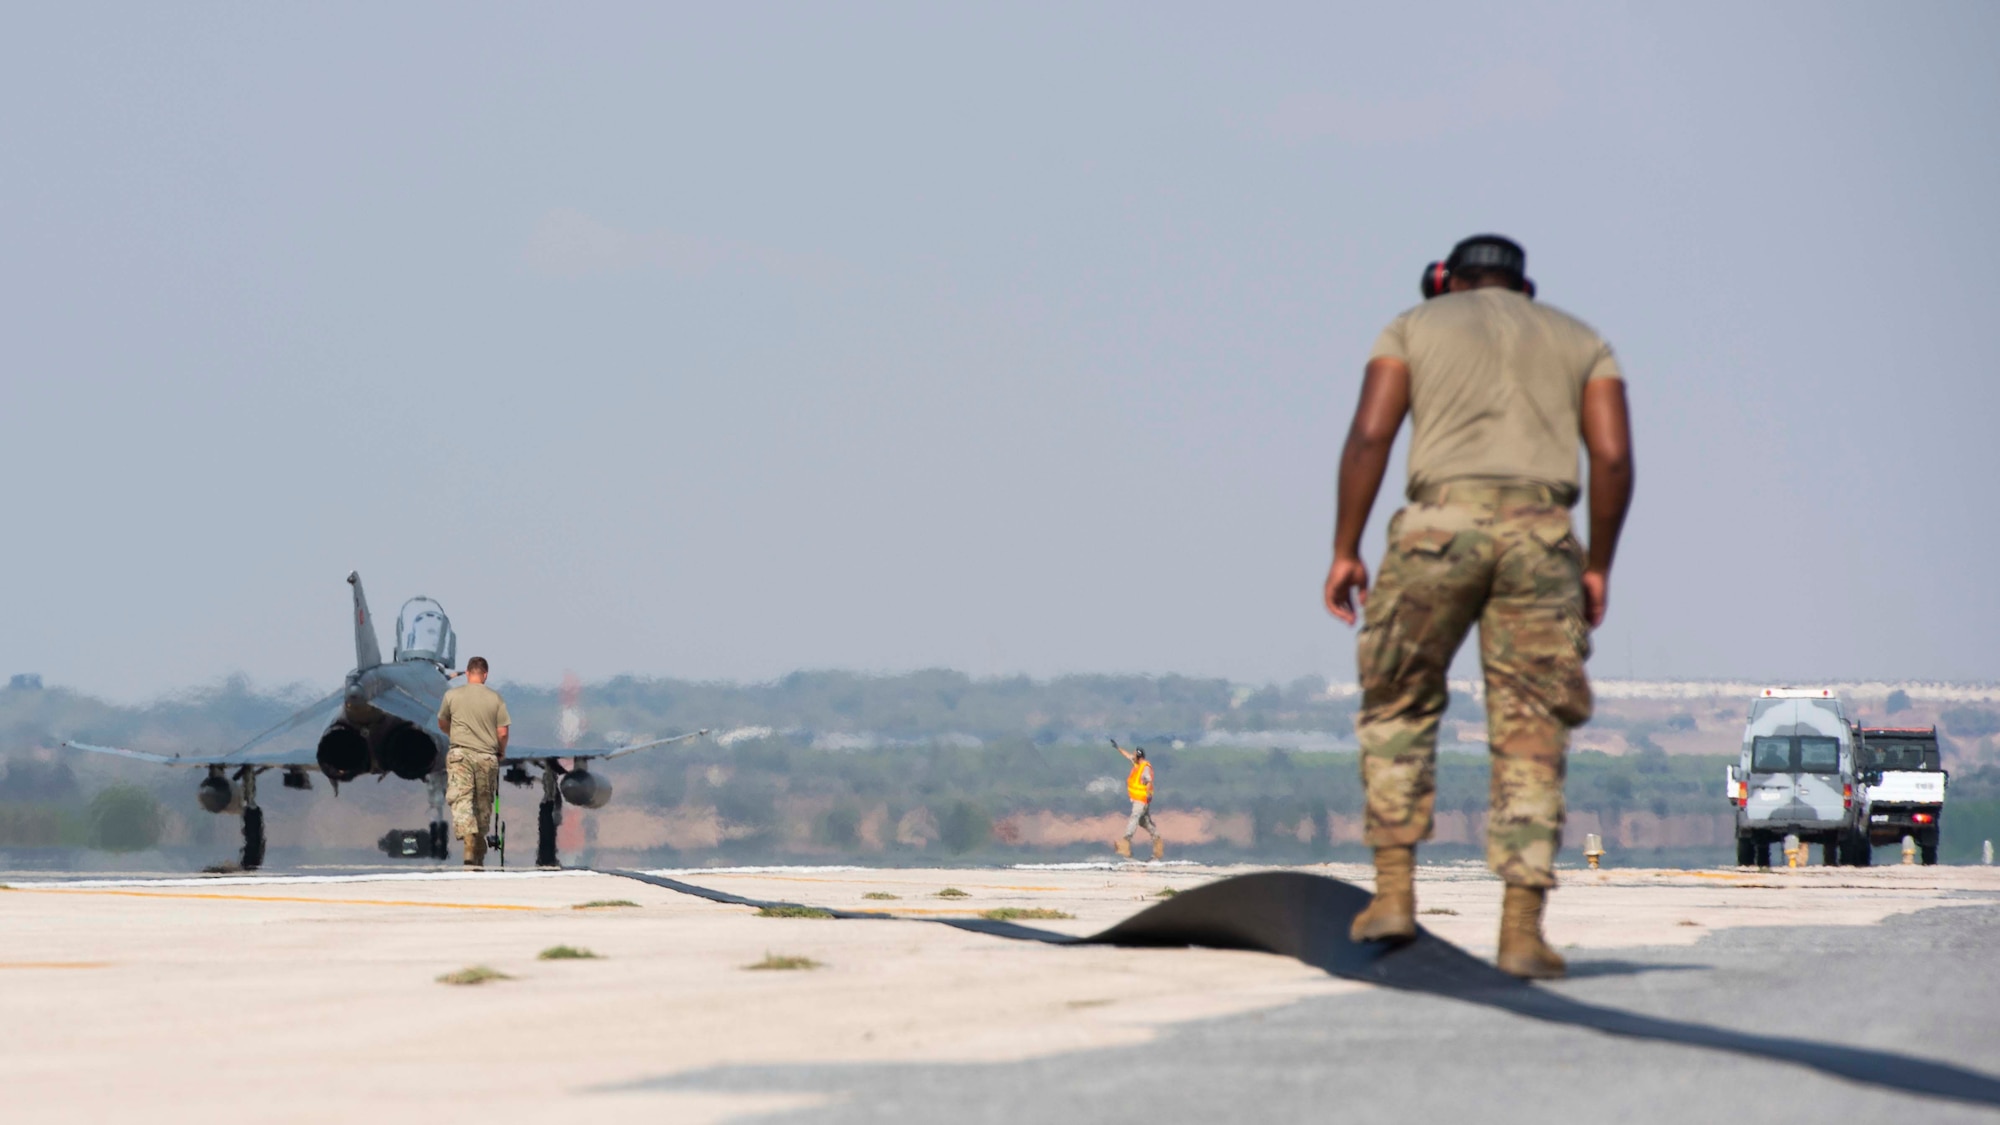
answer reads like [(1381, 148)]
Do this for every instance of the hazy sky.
[(718, 341)]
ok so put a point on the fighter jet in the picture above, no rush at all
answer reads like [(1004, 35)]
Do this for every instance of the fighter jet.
[(383, 720)]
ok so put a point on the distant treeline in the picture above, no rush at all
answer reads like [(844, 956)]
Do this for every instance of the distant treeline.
[(930, 704), (812, 760)]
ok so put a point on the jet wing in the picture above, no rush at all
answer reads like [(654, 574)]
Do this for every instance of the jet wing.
[(292, 742), (530, 753)]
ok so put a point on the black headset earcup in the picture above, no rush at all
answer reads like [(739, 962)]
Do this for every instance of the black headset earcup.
[(1528, 287), (1435, 278)]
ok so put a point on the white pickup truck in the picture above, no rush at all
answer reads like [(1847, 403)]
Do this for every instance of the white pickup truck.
[(1906, 786)]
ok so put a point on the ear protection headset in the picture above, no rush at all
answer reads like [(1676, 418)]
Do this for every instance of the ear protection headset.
[(1482, 251), (1436, 277)]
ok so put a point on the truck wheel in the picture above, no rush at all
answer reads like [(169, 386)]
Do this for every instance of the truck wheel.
[(1927, 853), (1746, 851), (1830, 849), (1864, 850), (1761, 846)]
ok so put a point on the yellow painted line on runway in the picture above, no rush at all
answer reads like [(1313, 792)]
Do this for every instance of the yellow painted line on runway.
[(207, 896), (810, 879), (55, 964)]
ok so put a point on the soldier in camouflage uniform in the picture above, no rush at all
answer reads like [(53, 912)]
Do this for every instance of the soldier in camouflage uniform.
[(1500, 392), (474, 718)]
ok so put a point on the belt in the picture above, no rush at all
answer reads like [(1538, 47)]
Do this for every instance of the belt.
[(1498, 492)]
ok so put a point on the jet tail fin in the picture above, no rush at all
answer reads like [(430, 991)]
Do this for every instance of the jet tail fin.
[(367, 647)]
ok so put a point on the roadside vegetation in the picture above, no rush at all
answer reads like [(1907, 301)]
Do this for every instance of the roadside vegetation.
[(565, 953), (1023, 913), (789, 911), (781, 963), (475, 974)]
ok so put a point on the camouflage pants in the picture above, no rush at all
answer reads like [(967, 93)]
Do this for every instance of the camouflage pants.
[(1516, 570), (1142, 817), (470, 778)]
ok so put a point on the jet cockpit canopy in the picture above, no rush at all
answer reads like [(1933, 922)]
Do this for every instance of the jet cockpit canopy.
[(423, 632)]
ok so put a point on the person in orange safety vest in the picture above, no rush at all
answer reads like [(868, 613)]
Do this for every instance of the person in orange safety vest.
[(1139, 787)]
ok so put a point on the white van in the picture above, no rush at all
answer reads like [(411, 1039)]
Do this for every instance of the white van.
[(1798, 776)]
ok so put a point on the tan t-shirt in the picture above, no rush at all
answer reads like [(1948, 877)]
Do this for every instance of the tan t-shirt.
[(1496, 386), (476, 713)]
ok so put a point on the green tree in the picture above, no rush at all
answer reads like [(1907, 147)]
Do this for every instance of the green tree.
[(1971, 722), (124, 818), (964, 827), (839, 825)]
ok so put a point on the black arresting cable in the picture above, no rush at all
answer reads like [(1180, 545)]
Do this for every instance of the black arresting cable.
[(1306, 917)]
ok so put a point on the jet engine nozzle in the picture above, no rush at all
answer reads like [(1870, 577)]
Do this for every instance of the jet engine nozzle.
[(214, 794), (407, 752), (343, 753), (580, 787)]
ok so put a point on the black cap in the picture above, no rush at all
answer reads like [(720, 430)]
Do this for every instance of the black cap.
[(1489, 252)]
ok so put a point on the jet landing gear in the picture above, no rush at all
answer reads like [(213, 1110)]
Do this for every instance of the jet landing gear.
[(440, 822), (253, 820), (548, 815)]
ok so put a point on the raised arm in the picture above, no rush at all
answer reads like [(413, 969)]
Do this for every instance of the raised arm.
[(1385, 402), (1607, 438)]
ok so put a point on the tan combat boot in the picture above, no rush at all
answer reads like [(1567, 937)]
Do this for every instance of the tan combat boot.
[(475, 850), (1523, 953), (1392, 914), (1123, 847), (1159, 848)]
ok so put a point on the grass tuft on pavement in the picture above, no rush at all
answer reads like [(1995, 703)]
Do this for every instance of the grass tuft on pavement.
[(565, 953), (780, 961), (602, 903), (1165, 892), (1016, 913), (883, 896), (1438, 910), (952, 892), (790, 911), (475, 974)]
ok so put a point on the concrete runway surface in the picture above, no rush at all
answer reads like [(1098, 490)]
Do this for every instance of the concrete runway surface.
[(312, 998)]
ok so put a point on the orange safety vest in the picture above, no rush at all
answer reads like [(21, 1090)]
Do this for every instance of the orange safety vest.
[(1139, 783)]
